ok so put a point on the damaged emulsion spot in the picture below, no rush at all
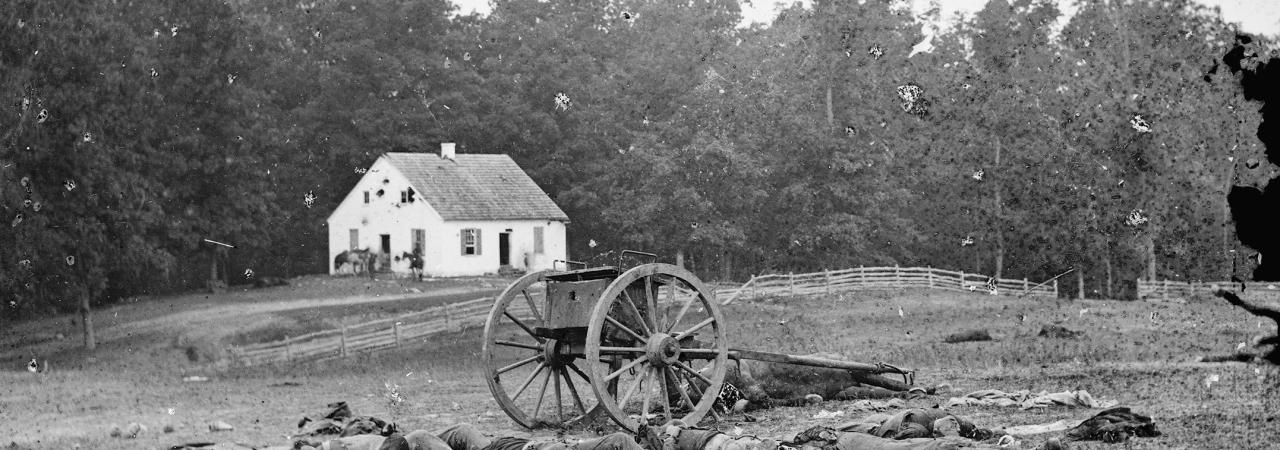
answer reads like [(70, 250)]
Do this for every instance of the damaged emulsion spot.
[(913, 101), (1139, 124), (1136, 218), (309, 199), (1252, 209)]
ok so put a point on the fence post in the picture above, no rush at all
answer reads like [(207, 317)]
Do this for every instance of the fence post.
[(1055, 288), (791, 280), (343, 350), (962, 287), (897, 276), (862, 277), (1165, 289), (395, 329), (288, 349), (930, 275), (755, 293), (827, 280), (448, 316), (1026, 285)]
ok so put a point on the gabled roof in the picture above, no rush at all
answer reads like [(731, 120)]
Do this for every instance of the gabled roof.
[(475, 187)]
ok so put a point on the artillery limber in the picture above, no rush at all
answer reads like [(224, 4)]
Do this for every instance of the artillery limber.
[(644, 345)]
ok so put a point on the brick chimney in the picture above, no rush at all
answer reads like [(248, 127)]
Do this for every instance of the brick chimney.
[(447, 150)]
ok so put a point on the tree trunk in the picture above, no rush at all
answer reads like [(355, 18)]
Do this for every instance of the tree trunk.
[(726, 266), (1080, 284), (1227, 253), (999, 214), (86, 317), (1106, 261), (1151, 256)]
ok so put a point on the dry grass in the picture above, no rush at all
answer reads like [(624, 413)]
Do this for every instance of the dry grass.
[(1123, 356)]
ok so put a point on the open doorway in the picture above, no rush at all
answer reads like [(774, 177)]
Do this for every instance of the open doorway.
[(504, 249), (384, 252)]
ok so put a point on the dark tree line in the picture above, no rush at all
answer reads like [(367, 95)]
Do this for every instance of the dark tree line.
[(134, 130)]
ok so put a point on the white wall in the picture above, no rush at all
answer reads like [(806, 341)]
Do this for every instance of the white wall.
[(443, 248)]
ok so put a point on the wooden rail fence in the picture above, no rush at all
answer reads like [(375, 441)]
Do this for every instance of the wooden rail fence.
[(394, 332), (865, 278), (1185, 291)]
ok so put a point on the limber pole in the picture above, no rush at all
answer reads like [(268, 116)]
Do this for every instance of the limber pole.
[(1051, 280)]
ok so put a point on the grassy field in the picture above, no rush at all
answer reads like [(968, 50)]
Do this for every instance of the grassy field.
[(1124, 355)]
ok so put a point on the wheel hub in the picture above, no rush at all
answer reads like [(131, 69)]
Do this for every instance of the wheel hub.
[(551, 351), (663, 349)]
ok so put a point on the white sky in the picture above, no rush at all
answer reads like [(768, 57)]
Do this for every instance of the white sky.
[(1254, 16)]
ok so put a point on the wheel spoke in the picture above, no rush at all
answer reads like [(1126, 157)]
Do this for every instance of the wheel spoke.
[(523, 326), (580, 372), (572, 390), (683, 309), (542, 393), (652, 301), (666, 394), (644, 404), (627, 367), (528, 381), (622, 402), (519, 363), (699, 326), (683, 394), (693, 372), (624, 328), (559, 399), (635, 310), (671, 299), (532, 308), (519, 345)]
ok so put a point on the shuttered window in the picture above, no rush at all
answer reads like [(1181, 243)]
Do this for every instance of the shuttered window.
[(419, 240), (471, 241), (537, 240), (355, 239)]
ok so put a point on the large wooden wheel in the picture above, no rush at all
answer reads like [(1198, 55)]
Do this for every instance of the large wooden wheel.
[(659, 339), (534, 378)]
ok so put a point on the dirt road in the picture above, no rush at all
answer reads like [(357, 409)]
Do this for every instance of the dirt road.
[(211, 318)]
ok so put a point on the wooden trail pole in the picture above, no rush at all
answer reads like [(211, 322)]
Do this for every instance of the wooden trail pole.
[(395, 330), (1054, 280), (930, 275)]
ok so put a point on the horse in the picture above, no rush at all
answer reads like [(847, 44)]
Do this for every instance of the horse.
[(360, 260), (415, 263)]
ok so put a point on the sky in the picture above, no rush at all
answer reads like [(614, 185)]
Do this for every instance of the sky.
[(1254, 16)]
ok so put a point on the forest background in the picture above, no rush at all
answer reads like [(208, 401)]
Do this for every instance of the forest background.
[(844, 134)]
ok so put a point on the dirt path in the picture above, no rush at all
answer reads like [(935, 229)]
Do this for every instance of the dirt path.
[(213, 317)]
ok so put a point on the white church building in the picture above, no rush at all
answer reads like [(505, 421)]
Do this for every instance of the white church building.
[(468, 214)]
